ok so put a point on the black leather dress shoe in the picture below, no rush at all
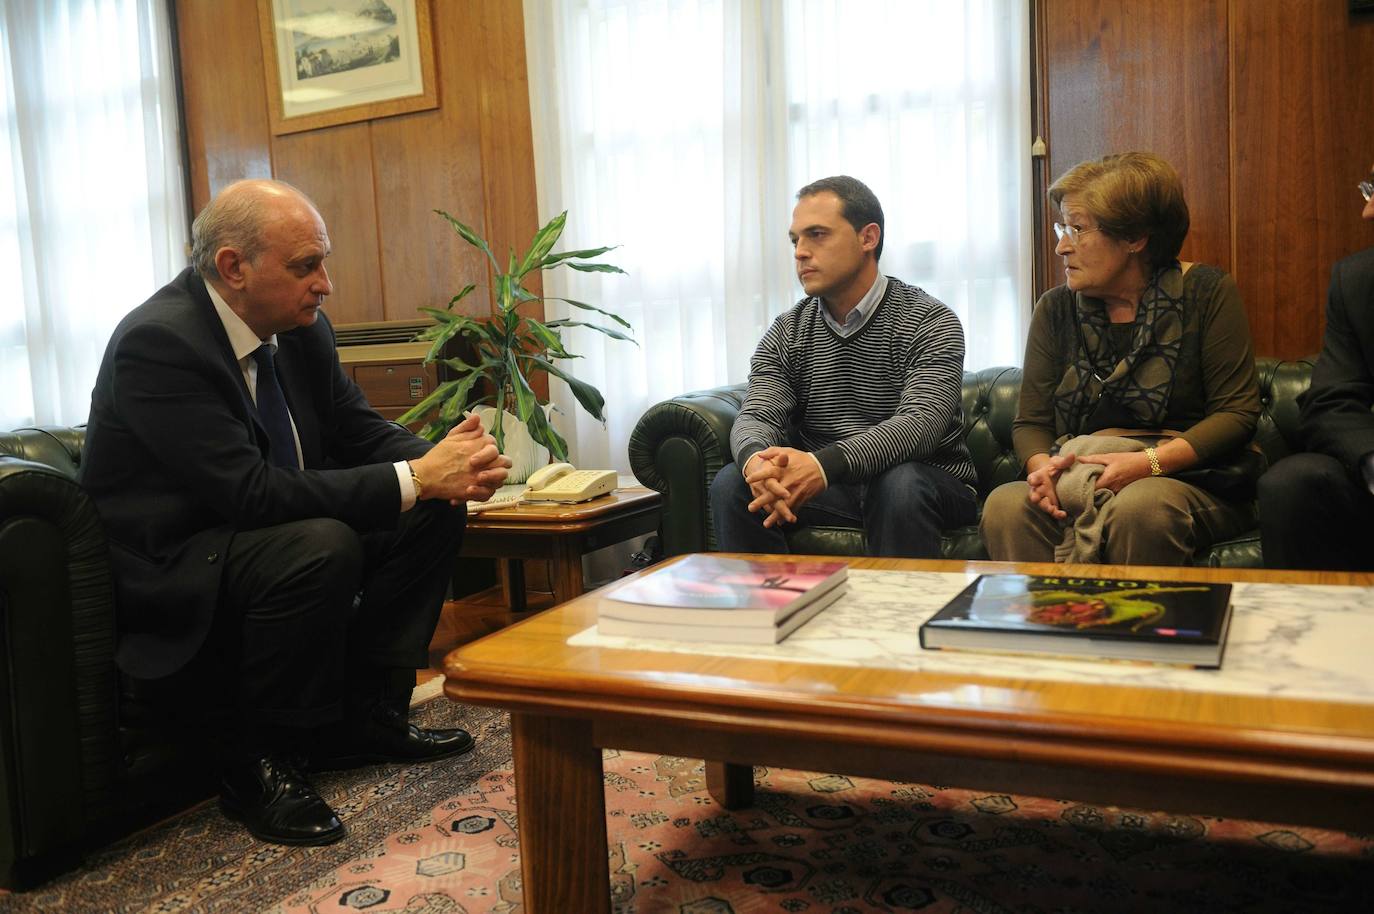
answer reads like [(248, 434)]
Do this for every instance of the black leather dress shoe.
[(276, 803), (389, 737)]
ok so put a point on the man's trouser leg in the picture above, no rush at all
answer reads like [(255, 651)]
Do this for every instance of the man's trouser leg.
[(287, 596), (906, 507), (408, 573), (1314, 516)]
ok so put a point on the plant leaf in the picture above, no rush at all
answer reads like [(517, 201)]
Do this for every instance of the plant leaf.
[(457, 401), (547, 435), (428, 403), (586, 307), (525, 400), (543, 242), (439, 314), (609, 331), (548, 338), (586, 394), (471, 238), (505, 299), (554, 259), (459, 297), (593, 267), (448, 332), (458, 364)]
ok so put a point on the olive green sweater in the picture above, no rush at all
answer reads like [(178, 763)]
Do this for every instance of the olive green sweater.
[(1215, 400)]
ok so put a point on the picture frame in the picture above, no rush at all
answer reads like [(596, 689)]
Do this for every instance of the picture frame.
[(332, 62)]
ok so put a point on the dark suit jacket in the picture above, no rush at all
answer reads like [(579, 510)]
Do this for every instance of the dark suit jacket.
[(175, 461), (1336, 417)]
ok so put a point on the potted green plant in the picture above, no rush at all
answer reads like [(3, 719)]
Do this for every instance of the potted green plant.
[(511, 347)]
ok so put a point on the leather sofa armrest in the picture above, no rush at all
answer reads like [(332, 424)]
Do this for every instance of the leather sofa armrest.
[(677, 447), (59, 746)]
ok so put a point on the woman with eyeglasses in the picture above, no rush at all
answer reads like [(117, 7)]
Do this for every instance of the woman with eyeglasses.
[(1139, 398)]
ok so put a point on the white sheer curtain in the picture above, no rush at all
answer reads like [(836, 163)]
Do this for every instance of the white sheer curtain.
[(681, 129), (92, 207)]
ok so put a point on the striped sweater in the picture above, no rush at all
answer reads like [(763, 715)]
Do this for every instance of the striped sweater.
[(887, 394)]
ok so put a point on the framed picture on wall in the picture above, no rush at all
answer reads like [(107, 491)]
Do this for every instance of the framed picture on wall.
[(338, 61)]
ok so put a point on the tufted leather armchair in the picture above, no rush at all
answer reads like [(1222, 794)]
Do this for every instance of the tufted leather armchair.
[(679, 445), (85, 754)]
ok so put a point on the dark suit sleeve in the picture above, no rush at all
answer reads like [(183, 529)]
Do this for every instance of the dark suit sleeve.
[(1336, 417), (356, 434), (179, 402)]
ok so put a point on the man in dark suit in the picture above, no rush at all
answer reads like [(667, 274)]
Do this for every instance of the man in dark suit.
[(265, 521), (1315, 508)]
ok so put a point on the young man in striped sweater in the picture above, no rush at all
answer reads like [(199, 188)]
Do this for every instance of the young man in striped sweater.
[(853, 414)]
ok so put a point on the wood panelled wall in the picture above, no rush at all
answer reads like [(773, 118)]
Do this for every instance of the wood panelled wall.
[(377, 182), (1265, 108)]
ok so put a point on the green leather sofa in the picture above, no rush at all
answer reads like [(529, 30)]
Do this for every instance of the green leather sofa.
[(86, 754), (679, 445)]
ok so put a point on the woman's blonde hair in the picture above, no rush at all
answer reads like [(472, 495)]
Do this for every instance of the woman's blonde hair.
[(1131, 195)]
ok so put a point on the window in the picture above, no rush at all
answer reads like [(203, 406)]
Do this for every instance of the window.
[(92, 208), (682, 128)]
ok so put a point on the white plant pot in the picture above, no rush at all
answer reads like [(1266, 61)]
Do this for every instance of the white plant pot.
[(526, 455)]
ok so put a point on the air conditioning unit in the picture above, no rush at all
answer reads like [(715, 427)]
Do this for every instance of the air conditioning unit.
[(387, 363)]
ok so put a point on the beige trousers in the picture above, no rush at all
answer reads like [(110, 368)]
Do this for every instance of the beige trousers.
[(1152, 521)]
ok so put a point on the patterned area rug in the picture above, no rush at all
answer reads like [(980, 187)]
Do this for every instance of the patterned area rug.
[(442, 840)]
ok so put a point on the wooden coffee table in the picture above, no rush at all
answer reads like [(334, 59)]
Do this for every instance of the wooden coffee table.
[(560, 534), (1239, 755)]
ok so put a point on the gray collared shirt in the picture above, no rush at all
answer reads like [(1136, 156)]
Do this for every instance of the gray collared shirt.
[(855, 320)]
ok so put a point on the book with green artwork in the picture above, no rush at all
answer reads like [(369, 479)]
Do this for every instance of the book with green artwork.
[(1176, 622)]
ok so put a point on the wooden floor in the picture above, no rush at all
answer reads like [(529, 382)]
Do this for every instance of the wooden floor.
[(469, 619)]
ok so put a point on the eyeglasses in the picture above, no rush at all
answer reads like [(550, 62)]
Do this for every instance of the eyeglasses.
[(1072, 232), (1367, 186)]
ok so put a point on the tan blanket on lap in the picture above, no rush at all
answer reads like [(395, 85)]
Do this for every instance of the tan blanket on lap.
[(1082, 503)]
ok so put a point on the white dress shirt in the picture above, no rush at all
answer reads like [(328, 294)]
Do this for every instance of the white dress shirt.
[(245, 342)]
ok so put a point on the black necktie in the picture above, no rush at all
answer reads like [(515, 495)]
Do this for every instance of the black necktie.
[(276, 418)]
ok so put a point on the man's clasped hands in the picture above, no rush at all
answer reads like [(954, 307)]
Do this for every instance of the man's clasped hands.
[(782, 480)]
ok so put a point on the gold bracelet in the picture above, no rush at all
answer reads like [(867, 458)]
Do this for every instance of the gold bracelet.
[(1154, 462)]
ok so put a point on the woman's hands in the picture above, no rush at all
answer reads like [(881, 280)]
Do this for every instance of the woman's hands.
[(1043, 471), (1120, 469)]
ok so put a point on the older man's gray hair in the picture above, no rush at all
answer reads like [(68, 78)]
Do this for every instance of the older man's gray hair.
[(233, 219)]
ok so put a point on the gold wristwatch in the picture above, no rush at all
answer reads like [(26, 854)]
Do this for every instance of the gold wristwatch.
[(415, 481), (1149, 452)]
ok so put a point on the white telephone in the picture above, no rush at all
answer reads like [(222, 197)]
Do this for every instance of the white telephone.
[(562, 482)]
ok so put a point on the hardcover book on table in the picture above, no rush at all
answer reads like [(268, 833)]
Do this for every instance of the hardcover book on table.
[(730, 594), (731, 633), (1178, 622)]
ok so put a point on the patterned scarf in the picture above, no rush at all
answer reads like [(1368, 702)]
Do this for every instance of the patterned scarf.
[(1140, 383)]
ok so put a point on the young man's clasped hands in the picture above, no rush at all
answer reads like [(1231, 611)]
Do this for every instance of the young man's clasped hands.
[(782, 480)]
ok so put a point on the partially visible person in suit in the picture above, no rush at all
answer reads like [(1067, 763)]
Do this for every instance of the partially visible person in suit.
[(264, 521), (1316, 507)]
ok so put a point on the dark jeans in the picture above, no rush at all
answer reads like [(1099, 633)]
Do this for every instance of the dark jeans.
[(1313, 515), (305, 647), (901, 511)]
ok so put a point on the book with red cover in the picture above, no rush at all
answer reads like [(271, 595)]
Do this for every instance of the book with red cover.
[(712, 590), (1179, 622)]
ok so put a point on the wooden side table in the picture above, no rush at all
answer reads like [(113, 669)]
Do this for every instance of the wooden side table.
[(561, 534)]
